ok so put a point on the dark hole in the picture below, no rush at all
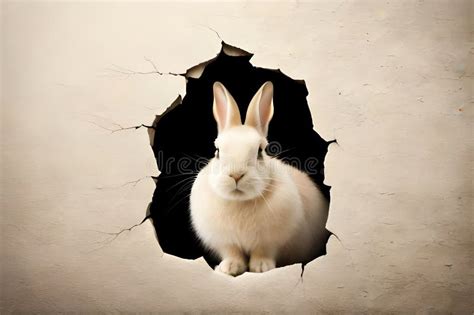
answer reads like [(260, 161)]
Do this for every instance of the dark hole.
[(187, 131)]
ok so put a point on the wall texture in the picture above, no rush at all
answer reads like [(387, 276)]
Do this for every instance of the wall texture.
[(390, 80)]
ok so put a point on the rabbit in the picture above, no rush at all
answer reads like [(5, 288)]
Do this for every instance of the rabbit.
[(254, 211)]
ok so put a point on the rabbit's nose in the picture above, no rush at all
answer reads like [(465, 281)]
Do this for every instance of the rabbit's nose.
[(237, 176)]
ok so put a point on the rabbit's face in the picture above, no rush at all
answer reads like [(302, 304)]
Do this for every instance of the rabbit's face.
[(239, 169)]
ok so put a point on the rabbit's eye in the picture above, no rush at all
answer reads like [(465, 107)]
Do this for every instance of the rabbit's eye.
[(259, 155), (217, 153)]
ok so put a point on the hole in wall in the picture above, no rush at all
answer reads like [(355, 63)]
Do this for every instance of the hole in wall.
[(183, 136)]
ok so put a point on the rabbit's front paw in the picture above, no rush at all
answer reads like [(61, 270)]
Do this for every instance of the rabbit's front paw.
[(232, 266), (261, 264)]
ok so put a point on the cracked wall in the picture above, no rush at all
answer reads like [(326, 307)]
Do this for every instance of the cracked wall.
[(391, 81)]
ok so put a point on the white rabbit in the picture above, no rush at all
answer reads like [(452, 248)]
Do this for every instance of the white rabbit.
[(254, 211)]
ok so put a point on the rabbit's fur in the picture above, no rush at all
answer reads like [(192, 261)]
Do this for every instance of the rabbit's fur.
[(255, 212)]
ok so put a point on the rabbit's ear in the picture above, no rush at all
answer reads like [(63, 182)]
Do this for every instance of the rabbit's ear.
[(225, 109), (260, 110)]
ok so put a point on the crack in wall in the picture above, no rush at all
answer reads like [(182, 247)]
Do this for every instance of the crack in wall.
[(129, 72), (291, 128)]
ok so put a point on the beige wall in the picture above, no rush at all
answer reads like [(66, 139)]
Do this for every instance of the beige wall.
[(391, 80)]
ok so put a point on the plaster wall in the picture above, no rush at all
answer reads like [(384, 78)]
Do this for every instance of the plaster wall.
[(390, 80)]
